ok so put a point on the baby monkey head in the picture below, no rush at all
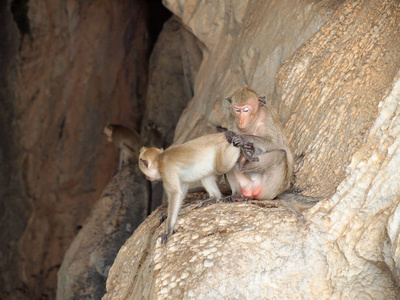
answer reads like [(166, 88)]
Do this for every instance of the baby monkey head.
[(148, 162)]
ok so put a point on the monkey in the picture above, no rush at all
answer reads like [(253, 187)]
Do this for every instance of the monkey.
[(127, 143), (179, 165), (259, 132), (153, 136)]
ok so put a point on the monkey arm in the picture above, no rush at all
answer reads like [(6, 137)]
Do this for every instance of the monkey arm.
[(266, 162), (260, 144)]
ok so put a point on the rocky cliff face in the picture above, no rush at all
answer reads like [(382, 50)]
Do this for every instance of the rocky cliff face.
[(337, 91), (331, 68), (125, 201), (68, 68)]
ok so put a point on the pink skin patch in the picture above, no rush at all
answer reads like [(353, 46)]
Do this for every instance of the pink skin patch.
[(252, 193)]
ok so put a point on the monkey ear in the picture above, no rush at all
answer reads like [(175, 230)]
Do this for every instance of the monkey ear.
[(229, 99), (262, 100), (145, 162)]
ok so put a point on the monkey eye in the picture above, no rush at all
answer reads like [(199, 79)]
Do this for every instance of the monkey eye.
[(145, 162), (236, 109), (246, 109)]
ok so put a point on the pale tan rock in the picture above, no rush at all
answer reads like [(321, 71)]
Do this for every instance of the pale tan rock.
[(339, 97), (329, 91), (247, 48)]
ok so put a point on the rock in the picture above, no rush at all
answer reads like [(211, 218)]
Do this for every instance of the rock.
[(338, 96), (341, 75), (119, 211), (243, 43), (174, 63), (173, 66), (14, 206), (70, 67)]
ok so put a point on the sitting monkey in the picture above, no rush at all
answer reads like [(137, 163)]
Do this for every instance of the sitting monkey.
[(260, 133), (199, 159)]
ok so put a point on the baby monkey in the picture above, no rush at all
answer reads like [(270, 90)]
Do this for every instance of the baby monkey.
[(198, 159), (127, 142)]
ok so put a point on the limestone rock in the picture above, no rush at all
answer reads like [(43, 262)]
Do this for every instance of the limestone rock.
[(174, 63), (244, 43), (339, 98), (119, 211), (329, 91)]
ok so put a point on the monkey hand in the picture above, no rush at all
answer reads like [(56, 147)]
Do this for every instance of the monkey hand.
[(248, 151), (238, 140), (230, 135), (221, 129)]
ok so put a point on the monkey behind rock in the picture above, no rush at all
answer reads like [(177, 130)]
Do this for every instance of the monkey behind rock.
[(127, 142), (199, 159)]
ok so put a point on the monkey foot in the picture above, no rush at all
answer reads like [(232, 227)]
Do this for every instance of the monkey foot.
[(164, 237), (234, 198), (207, 202), (163, 218)]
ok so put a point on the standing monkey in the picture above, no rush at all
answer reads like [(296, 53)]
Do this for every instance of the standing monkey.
[(179, 165), (127, 142), (259, 132)]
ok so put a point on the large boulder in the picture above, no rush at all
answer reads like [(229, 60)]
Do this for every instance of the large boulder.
[(338, 96), (119, 211)]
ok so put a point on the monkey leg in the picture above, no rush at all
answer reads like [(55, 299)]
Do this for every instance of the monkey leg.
[(244, 185), (271, 179), (236, 180), (210, 184), (234, 198), (176, 193)]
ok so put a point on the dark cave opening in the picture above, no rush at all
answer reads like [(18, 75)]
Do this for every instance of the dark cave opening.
[(19, 10)]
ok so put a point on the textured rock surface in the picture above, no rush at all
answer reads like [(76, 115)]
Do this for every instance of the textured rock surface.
[(243, 43), (339, 98), (14, 206), (121, 209), (174, 63), (341, 75), (257, 250)]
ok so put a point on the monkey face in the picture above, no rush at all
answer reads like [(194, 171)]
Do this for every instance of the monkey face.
[(108, 130), (246, 114)]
